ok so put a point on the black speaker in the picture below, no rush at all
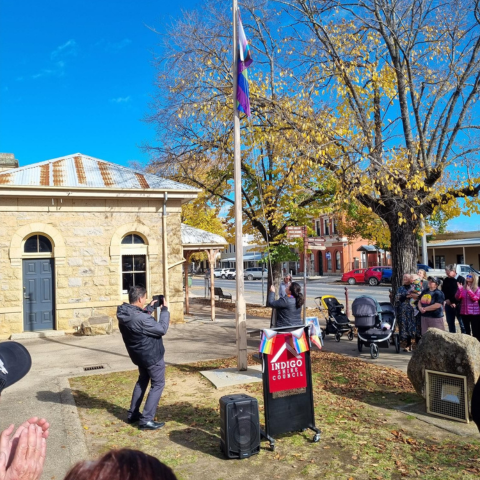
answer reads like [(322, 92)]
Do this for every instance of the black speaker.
[(239, 426)]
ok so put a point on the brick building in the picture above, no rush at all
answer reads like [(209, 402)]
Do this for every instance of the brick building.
[(341, 254)]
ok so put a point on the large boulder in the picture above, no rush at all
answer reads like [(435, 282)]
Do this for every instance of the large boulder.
[(102, 325), (445, 352)]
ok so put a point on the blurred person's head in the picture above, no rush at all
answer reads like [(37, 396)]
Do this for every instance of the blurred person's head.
[(422, 274), (434, 283), (451, 270), (407, 279), (137, 295), (122, 464), (295, 290), (471, 280)]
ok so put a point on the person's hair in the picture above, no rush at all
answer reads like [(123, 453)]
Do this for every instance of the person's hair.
[(296, 291), (474, 280), (124, 464), (451, 267), (422, 273), (135, 293), (436, 280)]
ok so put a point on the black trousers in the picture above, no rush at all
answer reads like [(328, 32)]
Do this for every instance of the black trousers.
[(472, 324), (155, 375)]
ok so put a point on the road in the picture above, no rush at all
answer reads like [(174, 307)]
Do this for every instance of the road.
[(253, 290)]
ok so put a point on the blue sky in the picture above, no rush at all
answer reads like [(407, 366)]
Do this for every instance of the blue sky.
[(77, 76)]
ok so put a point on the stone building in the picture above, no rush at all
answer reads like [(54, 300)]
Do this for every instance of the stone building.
[(75, 232)]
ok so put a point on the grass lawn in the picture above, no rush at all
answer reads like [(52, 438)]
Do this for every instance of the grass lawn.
[(363, 437)]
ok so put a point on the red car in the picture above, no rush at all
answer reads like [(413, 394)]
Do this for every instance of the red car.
[(375, 275), (354, 276)]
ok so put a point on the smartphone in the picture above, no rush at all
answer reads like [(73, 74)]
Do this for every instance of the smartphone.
[(159, 299)]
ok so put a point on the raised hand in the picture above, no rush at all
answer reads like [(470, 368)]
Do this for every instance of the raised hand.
[(28, 456), (35, 431)]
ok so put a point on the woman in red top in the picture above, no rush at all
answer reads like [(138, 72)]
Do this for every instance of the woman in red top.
[(469, 308)]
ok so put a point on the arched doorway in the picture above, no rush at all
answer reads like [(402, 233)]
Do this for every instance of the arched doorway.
[(38, 281)]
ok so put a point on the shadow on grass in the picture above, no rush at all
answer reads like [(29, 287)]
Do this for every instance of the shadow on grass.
[(84, 400), (201, 424)]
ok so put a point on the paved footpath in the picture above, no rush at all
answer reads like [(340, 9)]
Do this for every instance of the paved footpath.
[(45, 391)]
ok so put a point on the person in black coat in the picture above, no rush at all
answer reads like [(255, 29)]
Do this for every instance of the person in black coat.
[(289, 307), (142, 336), (452, 307)]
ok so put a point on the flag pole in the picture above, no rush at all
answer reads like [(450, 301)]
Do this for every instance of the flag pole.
[(240, 308)]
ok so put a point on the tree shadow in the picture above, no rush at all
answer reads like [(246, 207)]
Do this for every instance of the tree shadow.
[(84, 400)]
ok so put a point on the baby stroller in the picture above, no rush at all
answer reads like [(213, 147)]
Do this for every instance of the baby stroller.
[(334, 314), (375, 324)]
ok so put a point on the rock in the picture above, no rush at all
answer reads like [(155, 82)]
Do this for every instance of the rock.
[(102, 325), (445, 352)]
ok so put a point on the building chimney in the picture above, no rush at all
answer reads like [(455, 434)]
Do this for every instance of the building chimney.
[(7, 161)]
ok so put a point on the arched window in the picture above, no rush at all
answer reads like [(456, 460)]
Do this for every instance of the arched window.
[(338, 261), (134, 261), (132, 239), (37, 244)]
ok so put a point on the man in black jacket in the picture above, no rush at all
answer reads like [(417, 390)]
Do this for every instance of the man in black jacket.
[(142, 336), (452, 306)]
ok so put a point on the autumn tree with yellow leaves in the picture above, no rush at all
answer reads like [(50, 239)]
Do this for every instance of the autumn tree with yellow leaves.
[(193, 113), (396, 121), (372, 100)]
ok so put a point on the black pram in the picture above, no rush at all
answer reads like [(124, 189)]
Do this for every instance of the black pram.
[(337, 323), (375, 324)]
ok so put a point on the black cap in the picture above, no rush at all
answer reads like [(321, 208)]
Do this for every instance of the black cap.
[(15, 363), (437, 280)]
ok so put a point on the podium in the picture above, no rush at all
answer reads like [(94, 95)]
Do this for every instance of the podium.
[(287, 388)]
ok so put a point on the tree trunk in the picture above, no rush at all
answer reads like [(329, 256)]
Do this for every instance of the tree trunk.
[(404, 250), (275, 272)]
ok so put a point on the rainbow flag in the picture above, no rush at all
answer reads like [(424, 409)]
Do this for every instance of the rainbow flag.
[(316, 341), (268, 339), (244, 61), (299, 340)]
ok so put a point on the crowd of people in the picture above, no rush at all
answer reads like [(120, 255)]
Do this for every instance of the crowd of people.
[(422, 302)]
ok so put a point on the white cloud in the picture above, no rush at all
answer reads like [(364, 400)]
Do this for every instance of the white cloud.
[(57, 70), (121, 99), (119, 45), (69, 48)]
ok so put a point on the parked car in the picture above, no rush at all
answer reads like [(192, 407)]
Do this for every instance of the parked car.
[(220, 273), (255, 273), (354, 276), (462, 269), (375, 275), (231, 274)]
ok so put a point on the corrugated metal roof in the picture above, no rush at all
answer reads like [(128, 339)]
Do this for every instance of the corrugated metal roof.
[(454, 243), (79, 170), (196, 236)]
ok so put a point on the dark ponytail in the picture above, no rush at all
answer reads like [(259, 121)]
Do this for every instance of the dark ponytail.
[(296, 291)]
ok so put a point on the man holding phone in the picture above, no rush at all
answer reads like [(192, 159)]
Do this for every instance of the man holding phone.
[(142, 336)]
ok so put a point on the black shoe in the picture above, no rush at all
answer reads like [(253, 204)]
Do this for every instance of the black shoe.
[(133, 420), (151, 425)]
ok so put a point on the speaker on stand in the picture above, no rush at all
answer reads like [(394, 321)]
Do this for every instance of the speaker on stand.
[(239, 426)]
